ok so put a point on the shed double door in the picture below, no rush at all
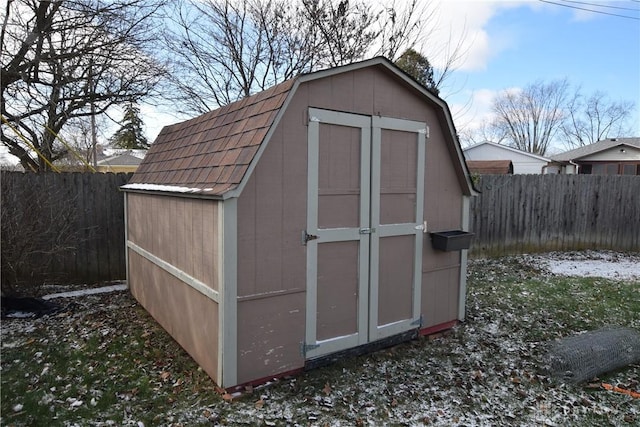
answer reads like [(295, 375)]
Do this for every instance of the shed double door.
[(364, 229)]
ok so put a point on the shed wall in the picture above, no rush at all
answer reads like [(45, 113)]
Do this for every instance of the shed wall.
[(272, 216), (168, 235), (271, 258), (443, 203)]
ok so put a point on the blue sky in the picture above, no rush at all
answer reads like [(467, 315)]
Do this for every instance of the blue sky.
[(514, 43), (509, 44)]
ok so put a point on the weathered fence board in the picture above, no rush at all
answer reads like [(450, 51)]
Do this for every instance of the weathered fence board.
[(62, 228), (530, 213)]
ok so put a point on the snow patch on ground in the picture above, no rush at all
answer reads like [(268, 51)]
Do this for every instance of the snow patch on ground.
[(606, 264), (83, 292), (619, 270)]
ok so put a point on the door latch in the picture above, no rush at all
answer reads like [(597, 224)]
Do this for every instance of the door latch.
[(367, 230), (306, 237)]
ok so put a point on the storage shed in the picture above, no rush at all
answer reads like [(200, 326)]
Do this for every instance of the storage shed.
[(295, 224)]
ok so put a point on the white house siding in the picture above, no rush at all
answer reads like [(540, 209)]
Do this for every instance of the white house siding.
[(614, 154), (523, 163)]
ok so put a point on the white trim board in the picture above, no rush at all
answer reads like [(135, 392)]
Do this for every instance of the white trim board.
[(176, 272)]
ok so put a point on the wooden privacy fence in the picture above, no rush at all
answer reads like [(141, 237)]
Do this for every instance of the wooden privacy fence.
[(69, 227), (61, 228), (533, 213)]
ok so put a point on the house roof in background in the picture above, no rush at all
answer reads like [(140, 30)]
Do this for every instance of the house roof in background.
[(596, 147), (490, 167), (106, 152), (506, 148), (121, 159), (7, 159)]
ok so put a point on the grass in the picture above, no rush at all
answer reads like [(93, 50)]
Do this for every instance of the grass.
[(106, 362)]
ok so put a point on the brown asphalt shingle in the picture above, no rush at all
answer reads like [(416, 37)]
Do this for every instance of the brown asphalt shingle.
[(213, 151)]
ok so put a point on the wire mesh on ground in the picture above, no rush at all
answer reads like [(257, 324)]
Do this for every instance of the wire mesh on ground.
[(585, 356)]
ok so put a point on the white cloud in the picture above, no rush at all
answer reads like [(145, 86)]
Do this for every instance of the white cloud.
[(471, 115), (156, 118), (465, 23)]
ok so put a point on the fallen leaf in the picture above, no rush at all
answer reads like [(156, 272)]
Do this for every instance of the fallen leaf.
[(327, 389), (165, 375), (259, 404), (227, 397)]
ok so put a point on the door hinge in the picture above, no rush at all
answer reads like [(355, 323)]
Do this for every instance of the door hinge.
[(367, 230), (306, 237), (418, 322), (304, 347)]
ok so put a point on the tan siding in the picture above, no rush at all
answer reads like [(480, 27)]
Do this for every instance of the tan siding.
[(272, 213), (269, 334), (352, 92), (200, 242), (271, 257), (180, 231), (442, 211), (187, 315), (440, 292), (443, 195), (134, 207)]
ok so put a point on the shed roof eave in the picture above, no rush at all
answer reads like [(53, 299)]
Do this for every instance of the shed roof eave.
[(172, 190), (174, 194)]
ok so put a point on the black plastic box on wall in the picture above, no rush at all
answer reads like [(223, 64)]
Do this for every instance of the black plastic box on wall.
[(453, 240)]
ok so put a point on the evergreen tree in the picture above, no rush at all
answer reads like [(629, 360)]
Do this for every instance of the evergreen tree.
[(131, 134), (418, 66)]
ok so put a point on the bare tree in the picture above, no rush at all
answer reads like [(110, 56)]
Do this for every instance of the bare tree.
[(224, 50), (35, 234), (67, 59), (593, 118), (482, 133), (346, 30), (404, 26), (531, 117)]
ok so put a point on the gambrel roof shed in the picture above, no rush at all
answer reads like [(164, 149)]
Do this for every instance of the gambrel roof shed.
[(210, 154), (294, 224)]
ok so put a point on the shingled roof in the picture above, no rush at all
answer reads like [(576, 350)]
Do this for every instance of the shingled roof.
[(211, 153), (596, 147)]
